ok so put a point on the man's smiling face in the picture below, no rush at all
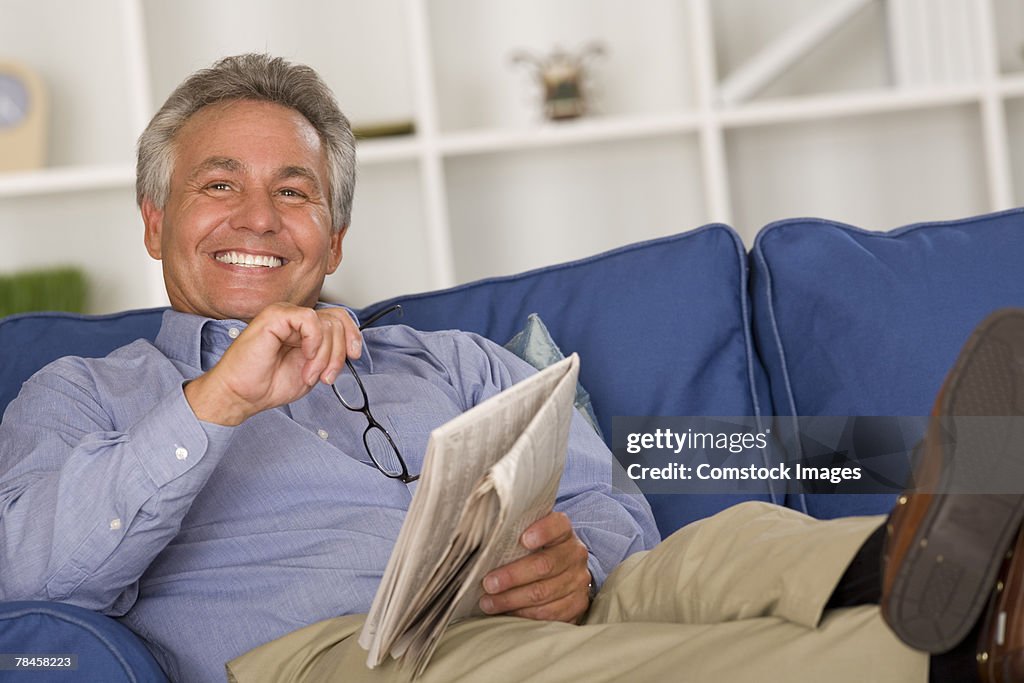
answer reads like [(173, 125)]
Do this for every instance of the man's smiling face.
[(246, 223)]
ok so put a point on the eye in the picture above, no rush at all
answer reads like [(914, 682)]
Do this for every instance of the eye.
[(291, 192), (219, 186)]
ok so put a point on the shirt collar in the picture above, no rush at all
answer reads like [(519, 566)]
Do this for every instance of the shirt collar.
[(199, 342)]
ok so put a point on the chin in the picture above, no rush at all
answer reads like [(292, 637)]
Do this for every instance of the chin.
[(244, 309), (239, 310)]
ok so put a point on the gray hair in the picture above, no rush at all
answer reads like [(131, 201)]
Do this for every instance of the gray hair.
[(251, 77)]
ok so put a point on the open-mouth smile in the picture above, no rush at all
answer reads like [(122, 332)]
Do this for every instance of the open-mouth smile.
[(237, 258)]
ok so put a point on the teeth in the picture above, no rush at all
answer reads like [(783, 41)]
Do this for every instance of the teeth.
[(236, 259)]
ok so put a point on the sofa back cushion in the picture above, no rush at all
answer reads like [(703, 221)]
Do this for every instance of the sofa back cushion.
[(32, 340), (661, 327), (850, 322)]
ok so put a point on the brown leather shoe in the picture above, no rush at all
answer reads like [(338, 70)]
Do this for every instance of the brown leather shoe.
[(943, 550), (1001, 641)]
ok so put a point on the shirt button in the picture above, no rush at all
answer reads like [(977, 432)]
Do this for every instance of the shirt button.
[(233, 332), (322, 433), (180, 452), (115, 524)]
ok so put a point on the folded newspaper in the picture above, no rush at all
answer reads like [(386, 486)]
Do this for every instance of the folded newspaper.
[(488, 474)]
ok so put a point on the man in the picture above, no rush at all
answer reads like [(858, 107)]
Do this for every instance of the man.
[(210, 490), (213, 478)]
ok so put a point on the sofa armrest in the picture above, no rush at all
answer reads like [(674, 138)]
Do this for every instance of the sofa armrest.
[(105, 649)]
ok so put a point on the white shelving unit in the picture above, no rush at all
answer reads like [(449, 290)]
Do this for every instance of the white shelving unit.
[(738, 111)]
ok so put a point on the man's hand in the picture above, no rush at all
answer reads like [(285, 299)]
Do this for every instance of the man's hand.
[(551, 583), (278, 359)]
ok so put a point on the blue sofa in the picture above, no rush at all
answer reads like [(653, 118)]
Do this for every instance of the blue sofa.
[(819, 318)]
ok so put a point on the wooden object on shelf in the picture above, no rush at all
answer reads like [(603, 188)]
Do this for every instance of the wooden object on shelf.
[(23, 111), (383, 129)]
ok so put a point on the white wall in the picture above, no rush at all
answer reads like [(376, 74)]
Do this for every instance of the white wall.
[(484, 188)]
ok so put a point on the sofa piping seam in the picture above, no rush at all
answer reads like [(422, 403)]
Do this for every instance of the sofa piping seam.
[(758, 253), (745, 312), (554, 268), (889, 234)]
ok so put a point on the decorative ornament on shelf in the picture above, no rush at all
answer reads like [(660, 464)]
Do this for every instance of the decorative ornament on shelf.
[(562, 76), (23, 108)]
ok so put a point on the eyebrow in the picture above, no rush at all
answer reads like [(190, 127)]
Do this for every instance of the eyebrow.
[(216, 164), (232, 165), (288, 172)]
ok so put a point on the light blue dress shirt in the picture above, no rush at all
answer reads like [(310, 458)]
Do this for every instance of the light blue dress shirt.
[(207, 540)]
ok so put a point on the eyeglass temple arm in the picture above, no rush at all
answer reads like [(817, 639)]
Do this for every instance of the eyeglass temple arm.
[(380, 314)]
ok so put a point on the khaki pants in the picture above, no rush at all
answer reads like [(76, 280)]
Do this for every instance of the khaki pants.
[(733, 598)]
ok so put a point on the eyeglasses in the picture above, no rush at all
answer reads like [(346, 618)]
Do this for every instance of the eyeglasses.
[(379, 445)]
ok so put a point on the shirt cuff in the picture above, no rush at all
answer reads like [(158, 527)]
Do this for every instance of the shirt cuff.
[(176, 439), (597, 576)]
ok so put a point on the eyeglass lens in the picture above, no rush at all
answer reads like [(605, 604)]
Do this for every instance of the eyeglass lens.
[(349, 392), (383, 451)]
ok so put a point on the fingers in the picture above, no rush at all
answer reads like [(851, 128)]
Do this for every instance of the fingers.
[(555, 546), (569, 608), (561, 595), (292, 326), (341, 339), (353, 337), (552, 582), (296, 326), (324, 361), (324, 337), (284, 351), (550, 529)]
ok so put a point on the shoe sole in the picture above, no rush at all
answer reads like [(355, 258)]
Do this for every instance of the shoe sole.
[(950, 568)]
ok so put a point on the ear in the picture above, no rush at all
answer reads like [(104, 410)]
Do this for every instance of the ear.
[(153, 218), (334, 258)]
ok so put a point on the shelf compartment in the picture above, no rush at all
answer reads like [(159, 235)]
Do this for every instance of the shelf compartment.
[(1015, 130), (337, 39), (1008, 20), (516, 211), (1012, 86), (100, 232), (92, 118), (749, 35), (647, 67), (876, 172)]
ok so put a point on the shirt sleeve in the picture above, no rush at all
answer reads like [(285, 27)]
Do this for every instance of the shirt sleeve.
[(612, 523), (86, 504)]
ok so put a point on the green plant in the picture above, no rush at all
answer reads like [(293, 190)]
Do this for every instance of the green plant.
[(57, 289)]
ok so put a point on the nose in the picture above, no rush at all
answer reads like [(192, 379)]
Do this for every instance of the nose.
[(256, 212)]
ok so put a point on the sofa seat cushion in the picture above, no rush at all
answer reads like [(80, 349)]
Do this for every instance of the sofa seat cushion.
[(852, 322)]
